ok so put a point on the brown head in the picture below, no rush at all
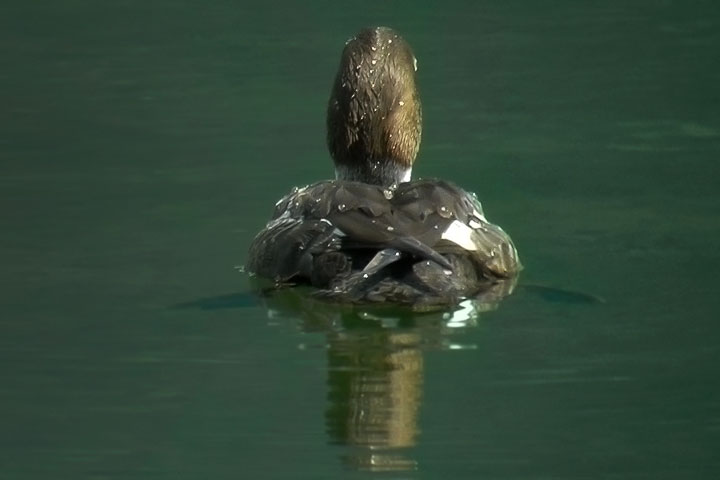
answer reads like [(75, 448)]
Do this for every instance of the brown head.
[(374, 120)]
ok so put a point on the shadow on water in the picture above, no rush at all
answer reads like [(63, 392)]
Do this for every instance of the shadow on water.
[(561, 295), (221, 302)]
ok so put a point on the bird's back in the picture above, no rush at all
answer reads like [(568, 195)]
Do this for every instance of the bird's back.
[(423, 242)]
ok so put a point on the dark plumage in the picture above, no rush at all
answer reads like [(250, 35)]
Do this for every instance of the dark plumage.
[(371, 236), (327, 234)]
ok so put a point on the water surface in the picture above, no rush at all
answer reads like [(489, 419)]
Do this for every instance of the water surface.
[(143, 144)]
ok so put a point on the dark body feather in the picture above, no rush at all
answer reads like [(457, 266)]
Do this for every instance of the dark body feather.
[(373, 236), (364, 243)]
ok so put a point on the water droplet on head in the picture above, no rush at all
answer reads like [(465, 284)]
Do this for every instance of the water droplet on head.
[(365, 275), (401, 103), (390, 228), (373, 61), (389, 40)]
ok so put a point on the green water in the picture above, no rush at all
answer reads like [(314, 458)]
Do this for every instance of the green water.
[(142, 145)]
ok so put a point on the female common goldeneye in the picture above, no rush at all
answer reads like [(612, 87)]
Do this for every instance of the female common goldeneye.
[(372, 235)]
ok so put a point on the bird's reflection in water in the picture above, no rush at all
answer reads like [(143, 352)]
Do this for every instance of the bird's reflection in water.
[(374, 393), (375, 368)]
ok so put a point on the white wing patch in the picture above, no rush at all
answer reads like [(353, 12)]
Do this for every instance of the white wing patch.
[(460, 234), (474, 225), (479, 215)]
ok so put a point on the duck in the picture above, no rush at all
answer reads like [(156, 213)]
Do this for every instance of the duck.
[(373, 235)]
